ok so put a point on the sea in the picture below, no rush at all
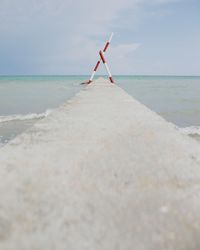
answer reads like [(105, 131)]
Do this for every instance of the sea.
[(24, 100)]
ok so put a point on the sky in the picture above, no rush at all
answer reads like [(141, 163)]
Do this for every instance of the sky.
[(53, 37)]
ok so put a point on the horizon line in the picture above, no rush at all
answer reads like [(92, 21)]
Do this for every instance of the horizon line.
[(86, 75)]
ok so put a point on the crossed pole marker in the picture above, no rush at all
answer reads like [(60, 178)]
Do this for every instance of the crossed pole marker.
[(106, 66), (102, 58)]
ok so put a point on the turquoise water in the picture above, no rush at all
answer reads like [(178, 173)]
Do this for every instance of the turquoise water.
[(176, 98), (35, 94), (26, 99)]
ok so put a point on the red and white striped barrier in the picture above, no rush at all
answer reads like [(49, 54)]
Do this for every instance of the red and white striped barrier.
[(106, 65), (103, 60)]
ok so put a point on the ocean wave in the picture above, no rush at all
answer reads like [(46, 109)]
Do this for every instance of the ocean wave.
[(29, 116), (192, 130)]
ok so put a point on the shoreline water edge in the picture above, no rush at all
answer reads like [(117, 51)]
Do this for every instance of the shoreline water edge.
[(170, 94)]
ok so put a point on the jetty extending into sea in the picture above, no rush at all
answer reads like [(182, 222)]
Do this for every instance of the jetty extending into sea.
[(101, 172)]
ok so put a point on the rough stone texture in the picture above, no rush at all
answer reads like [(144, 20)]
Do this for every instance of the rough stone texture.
[(101, 172)]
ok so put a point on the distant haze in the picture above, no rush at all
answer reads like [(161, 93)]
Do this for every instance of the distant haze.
[(64, 37)]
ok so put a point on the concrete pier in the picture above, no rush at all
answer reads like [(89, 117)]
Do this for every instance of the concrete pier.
[(101, 172)]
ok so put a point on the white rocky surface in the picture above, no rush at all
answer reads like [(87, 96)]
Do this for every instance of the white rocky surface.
[(101, 172)]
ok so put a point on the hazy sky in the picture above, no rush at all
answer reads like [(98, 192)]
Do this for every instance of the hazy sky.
[(64, 36)]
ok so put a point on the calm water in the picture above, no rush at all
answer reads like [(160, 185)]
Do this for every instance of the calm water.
[(177, 99), (24, 100)]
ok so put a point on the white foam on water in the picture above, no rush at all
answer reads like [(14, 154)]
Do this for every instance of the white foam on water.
[(29, 116), (192, 130)]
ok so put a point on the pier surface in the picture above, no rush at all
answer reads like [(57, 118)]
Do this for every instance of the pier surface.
[(101, 172)]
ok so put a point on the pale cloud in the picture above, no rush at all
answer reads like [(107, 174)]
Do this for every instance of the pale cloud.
[(121, 57), (64, 36)]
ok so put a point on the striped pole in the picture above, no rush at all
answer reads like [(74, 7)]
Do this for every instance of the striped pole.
[(106, 65), (99, 61), (108, 43)]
